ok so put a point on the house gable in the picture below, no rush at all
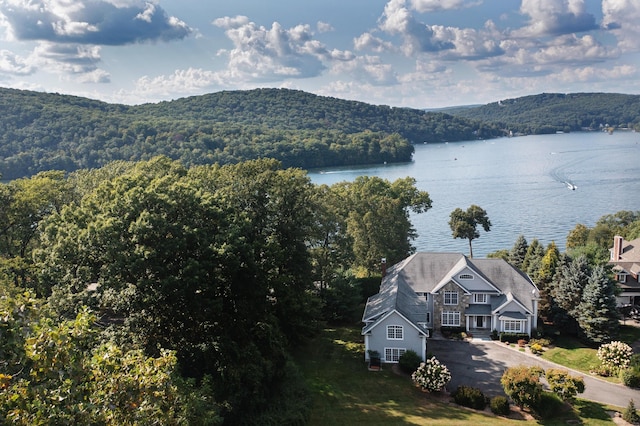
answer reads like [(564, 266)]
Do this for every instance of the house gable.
[(510, 304)]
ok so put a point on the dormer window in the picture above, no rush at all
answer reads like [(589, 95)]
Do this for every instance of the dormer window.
[(465, 276)]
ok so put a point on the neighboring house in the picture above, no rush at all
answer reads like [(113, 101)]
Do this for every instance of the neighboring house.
[(625, 258), (428, 291)]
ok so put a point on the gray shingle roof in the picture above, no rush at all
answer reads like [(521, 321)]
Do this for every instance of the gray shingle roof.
[(422, 272)]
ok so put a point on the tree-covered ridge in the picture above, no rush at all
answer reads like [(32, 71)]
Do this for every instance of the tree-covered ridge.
[(552, 112), (42, 131)]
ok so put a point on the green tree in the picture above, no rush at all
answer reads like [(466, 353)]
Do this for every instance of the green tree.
[(578, 236), (569, 285), (566, 386), (377, 216), (518, 252), (598, 317), (522, 384), (464, 224)]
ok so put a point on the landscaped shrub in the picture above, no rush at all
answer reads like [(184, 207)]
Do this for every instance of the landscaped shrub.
[(630, 377), (548, 406), (409, 361), (615, 355), (542, 342), (566, 386), (450, 331), (500, 406), (431, 376), (513, 337), (494, 334), (536, 348), (522, 385), (470, 397), (630, 414)]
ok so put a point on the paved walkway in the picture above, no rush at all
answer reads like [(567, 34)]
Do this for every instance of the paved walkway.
[(481, 363)]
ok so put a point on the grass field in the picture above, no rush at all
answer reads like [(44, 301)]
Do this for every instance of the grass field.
[(570, 352), (346, 393)]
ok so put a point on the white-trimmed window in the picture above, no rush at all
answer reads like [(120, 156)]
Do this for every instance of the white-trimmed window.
[(450, 297), (451, 318), (394, 332), (513, 326), (481, 298), (465, 277), (622, 277), (393, 354)]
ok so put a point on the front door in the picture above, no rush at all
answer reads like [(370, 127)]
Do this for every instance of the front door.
[(479, 322)]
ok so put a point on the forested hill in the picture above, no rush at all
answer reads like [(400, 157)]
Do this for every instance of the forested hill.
[(42, 131), (552, 112)]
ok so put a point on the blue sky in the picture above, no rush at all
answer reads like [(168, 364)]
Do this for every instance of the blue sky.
[(413, 53)]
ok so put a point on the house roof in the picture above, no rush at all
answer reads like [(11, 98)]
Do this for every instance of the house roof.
[(629, 256), (425, 272)]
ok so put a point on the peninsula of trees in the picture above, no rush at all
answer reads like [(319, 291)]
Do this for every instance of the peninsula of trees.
[(41, 131), (558, 112)]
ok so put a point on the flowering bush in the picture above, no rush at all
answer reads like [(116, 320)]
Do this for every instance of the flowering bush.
[(615, 355), (431, 376)]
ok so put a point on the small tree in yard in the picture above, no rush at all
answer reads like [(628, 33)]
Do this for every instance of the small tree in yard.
[(563, 384), (522, 385), (630, 414), (431, 376)]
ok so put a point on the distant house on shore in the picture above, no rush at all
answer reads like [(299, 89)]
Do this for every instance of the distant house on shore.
[(429, 292), (625, 258)]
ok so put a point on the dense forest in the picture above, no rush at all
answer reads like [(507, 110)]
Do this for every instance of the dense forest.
[(554, 112), (152, 293), (42, 131)]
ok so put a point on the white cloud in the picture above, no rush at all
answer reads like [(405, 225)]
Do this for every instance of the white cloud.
[(324, 27), (555, 17), (191, 80), (423, 6), (622, 17), (11, 63), (268, 54)]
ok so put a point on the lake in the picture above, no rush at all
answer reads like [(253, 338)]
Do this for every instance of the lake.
[(522, 183)]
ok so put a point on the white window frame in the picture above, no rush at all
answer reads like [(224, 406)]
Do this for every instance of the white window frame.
[(481, 298), (450, 295), (465, 277), (450, 318), (395, 332), (509, 326), (393, 354), (622, 277)]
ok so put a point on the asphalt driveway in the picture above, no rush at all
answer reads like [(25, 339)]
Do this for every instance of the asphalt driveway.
[(480, 364)]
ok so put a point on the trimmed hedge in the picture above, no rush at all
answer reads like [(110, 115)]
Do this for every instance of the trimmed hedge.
[(409, 361), (513, 337), (470, 397), (500, 406)]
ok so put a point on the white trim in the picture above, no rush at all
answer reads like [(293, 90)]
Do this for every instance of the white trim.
[(394, 352), (450, 293), (510, 299), (449, 313), (394, 328), (385, 316)]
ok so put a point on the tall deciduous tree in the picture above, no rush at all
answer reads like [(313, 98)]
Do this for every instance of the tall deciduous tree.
[(598, 317), (377, 216), (464, 224)]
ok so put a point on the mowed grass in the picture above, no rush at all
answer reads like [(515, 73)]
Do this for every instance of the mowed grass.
[(346, 393), (570, 352)]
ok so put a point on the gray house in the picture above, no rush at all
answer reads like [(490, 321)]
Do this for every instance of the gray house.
[(428, 291)]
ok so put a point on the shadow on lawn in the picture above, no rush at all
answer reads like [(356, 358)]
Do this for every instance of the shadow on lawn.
[(345, 392)]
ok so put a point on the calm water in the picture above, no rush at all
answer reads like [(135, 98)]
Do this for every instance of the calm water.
[(520, 182)]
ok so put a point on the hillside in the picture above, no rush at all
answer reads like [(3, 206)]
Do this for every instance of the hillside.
[(42, 131), (552, 112)]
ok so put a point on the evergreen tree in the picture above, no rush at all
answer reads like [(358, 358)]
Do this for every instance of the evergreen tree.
[(532, 259), (518, 252), (544, 276), (597, 314), (568, 286)]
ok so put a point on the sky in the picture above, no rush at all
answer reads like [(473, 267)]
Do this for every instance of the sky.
[(407, 53)]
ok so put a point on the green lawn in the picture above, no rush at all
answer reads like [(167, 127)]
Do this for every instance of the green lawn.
[(346, 393), (571, 353)]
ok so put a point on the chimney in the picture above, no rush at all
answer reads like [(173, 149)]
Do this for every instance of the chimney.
[(617, 247), (383, 265)]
